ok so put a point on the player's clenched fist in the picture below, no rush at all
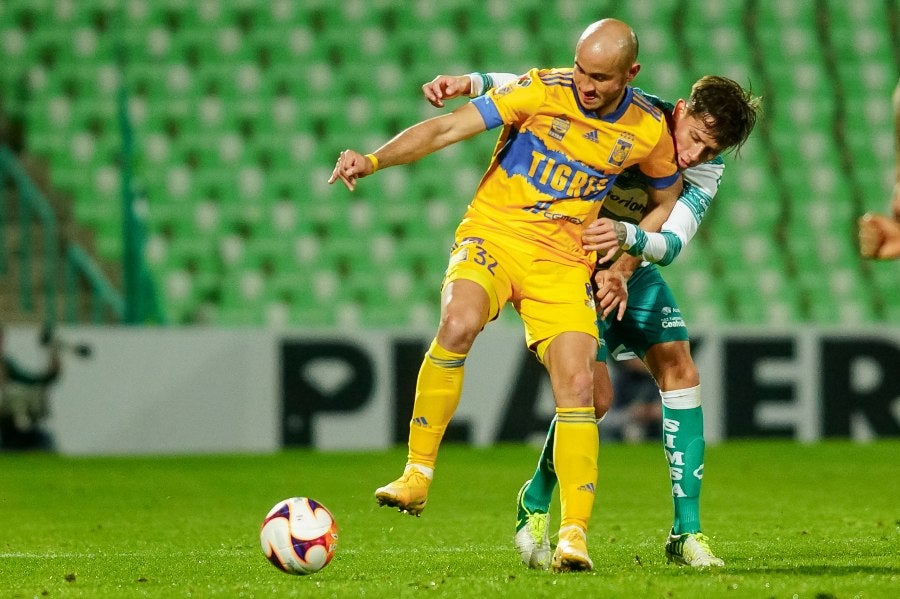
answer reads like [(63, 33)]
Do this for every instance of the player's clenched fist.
[(446, 87), (879, 237), (352, 165)]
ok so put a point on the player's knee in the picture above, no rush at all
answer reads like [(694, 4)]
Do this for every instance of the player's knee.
[(672, 366), (678, 377), (574, 389), (685, 373), (458, 331)]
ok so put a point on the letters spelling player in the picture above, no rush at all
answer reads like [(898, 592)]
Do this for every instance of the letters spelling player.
[(567, 134), (718, 115)]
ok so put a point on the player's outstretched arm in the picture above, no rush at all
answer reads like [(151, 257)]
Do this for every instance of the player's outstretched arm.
[(409, 145)]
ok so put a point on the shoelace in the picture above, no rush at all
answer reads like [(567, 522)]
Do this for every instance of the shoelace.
[(415, 474), (537, 531), (703, 541)]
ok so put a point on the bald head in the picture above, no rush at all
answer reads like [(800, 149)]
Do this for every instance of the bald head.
[(609, 39), (605, 63)]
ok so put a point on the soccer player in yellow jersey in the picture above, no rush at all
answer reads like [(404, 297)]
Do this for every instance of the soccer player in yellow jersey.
[(567, 134)]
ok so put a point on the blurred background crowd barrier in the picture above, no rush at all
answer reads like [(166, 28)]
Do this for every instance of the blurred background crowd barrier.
[(164, 390)]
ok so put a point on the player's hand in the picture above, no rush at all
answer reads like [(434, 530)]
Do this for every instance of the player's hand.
[(612, 293), (446, 87), (870, 236), (879, 236), (350, 166), (604, 236)]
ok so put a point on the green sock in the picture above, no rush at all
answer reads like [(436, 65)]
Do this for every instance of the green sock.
[(540, 491), (684, 445)]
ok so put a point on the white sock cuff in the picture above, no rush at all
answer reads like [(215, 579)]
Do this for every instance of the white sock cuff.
[(681, 399), (428, 472)]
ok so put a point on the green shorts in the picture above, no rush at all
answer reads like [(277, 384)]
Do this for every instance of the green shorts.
[(652, 317)]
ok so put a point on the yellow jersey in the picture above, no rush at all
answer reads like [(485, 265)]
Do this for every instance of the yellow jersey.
[(555, 162)]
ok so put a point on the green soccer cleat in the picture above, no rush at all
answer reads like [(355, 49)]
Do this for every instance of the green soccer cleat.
[(571, 553), (532, 534), (409, 493), (691, 549)]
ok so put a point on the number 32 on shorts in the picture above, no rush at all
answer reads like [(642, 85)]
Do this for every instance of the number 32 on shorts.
[(470, 250)]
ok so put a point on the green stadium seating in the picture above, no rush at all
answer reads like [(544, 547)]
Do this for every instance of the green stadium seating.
[(239, 108)]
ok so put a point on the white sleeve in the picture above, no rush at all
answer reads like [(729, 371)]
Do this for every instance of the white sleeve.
[(481, 82), (701, 183)]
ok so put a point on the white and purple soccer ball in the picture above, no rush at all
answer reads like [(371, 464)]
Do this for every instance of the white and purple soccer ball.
[(299, 536)]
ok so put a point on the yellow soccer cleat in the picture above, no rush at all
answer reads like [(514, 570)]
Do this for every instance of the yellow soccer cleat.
[(409, 493), (571, 553)]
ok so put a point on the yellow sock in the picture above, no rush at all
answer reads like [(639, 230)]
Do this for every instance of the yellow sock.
[(575, 457), (437, 394)]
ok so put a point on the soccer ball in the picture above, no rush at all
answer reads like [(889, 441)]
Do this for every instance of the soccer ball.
[(299, 536)]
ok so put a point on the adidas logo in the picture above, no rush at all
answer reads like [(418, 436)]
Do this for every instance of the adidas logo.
[(588, 487), (591, 135), (420, 421)]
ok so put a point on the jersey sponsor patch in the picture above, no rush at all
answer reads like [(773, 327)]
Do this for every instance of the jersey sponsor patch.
[(671, 318), (502, 91)]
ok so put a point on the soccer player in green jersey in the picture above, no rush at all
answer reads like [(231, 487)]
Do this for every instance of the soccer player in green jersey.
[(719, 115)]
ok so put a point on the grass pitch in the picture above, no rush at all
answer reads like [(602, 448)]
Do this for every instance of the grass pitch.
[(819, 521)]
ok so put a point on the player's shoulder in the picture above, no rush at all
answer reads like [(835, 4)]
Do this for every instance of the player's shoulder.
[(553, 77), (655, 100), (649, 104), (537, 83), (716, 165), (532, 79)]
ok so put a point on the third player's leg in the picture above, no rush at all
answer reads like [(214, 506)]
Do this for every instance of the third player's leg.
[(603, 390)]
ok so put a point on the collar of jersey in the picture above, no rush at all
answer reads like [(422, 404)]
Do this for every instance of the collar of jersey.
[(613, 116)]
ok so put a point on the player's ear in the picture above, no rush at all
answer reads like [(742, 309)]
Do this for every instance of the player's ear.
[(633, 71), (680, 110)]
